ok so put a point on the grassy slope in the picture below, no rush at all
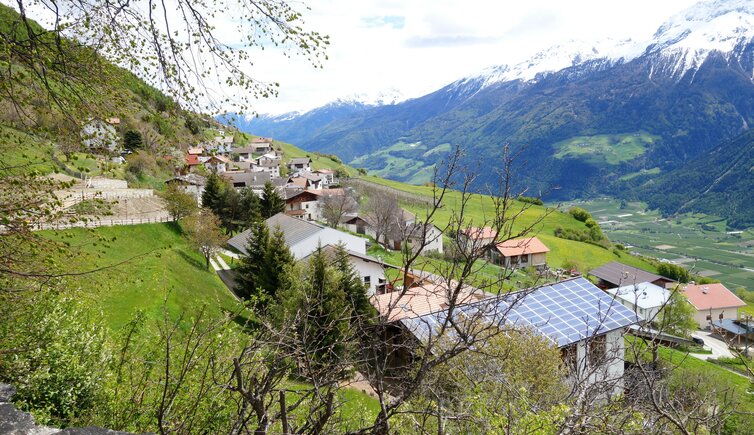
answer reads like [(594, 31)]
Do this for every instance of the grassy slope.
[(18, 148), (166, 266), (587, 255)]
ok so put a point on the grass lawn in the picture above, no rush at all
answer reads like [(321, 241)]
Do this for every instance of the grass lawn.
[(165, 266), (586, 255)]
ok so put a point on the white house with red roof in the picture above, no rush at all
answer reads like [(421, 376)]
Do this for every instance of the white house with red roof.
[(712, 302)]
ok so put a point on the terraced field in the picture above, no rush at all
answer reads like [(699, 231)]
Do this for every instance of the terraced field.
[(702, 243)]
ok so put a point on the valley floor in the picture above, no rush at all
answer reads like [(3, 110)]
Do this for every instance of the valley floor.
[(699, 242)]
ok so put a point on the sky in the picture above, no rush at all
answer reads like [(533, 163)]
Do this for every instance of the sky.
[(413, 47)]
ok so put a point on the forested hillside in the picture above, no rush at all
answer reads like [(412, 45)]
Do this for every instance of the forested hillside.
[(719, 182)]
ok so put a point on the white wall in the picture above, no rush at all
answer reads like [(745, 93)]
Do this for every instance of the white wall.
[(372, 269)]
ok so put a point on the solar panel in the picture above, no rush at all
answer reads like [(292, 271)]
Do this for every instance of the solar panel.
[(566, 312)]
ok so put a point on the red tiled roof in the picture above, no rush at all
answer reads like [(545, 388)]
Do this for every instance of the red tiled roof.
[(418, 301), (529, 245), (711, 296), (192, 160)]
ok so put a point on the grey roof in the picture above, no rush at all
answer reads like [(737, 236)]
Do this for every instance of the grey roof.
[(300, 161), (736, 327), (249, 179), (565, 312), (244, 150), (308, 175), (194, 179), (620, 274), (294, 230)]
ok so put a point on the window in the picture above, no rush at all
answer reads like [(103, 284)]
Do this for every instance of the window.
[(569, 354), (368, 281), (524, 259), (597, 350)]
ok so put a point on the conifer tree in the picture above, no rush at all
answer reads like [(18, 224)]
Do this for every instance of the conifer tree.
[(212, 195), (353, 287), (323, 312), (249, 283), (264, 270), (271, 203)]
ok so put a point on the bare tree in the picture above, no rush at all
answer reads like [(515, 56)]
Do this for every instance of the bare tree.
[(334, 205), (384, 214), (204, 232)]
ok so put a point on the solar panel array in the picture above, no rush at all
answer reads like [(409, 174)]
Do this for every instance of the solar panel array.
[(565, 312)]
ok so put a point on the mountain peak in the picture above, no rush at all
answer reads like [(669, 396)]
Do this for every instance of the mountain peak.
[(689, 36)]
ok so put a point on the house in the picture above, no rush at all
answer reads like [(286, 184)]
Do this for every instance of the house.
[(195, 151), (306, 180), (304, 237), (245, 154), (97, 134), (327, 176), (217, 164), (585, 323), (192, 162), (370, 270), (272, 157), (305, 204), (525, 252), (473, 236), (253, 180), (427, 235), (364, 223), (615, 274), (712, 302), (261, 145), (113, 121), (645, 298), (192, 184), (300, 164), (271, 167)]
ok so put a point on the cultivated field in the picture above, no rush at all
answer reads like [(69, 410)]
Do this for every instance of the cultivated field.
[(700, 242)]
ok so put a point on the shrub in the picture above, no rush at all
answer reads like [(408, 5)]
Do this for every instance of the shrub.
[(530, 200), (60, 371), (580, 214), (674, 272)]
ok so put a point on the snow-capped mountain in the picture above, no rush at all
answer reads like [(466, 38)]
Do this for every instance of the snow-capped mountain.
[(685, 89), (685, 41)]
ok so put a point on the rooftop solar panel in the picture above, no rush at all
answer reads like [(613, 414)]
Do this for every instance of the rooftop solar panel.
[(566, 312)]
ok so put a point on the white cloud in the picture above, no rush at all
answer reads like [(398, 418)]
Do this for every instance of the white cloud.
[(438, 41)]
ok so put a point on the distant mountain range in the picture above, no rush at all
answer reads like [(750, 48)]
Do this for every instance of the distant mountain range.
[(591, 118)]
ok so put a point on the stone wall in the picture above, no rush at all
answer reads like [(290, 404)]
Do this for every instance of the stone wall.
[(16, 422)]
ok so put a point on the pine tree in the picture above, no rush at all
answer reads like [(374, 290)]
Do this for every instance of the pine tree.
[(325, 325), (249, 283), (277, 262), (271, 203), (250, 207), (265, 269), (212, 195), (353, 287)]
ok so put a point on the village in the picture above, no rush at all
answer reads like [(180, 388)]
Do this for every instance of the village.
[(586, 317)]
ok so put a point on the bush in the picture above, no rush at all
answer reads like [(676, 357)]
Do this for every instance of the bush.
[(674, 272), (61, 368), (580, 214), (530, 200)]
